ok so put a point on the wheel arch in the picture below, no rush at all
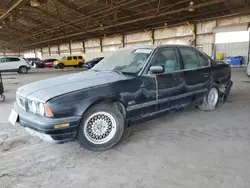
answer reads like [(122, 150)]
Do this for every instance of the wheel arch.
[(115, 101)]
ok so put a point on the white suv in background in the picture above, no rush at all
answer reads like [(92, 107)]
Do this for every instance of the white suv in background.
[(14, 64)]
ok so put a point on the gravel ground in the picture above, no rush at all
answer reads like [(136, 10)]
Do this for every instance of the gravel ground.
[(188, 149)]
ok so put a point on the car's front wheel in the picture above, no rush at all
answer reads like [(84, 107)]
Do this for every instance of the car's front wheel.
[(211, 99), (101, 128), (61, 66)]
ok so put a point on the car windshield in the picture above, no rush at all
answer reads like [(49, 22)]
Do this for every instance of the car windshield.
[(127, 60), (64, 58)]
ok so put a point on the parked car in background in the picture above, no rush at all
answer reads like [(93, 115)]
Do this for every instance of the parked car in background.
[(14, 64), (69, 61), (35, 62), (49, 62), (129, 86), (92, 62)]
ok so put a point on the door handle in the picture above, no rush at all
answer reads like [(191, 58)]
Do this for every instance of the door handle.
[(179, 78), (206, 75)]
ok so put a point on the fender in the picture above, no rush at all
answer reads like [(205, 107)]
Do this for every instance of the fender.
[(86, 104)]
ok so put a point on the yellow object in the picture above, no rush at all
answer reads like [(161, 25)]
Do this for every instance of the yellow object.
[(48, 111), (69, 61), (219, 56), (192, 29), (61, 126)]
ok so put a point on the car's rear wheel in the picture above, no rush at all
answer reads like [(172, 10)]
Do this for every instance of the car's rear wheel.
[(61, 66), (101, 128), (211, 100), (42, 66), (23, 70), (80, 64)]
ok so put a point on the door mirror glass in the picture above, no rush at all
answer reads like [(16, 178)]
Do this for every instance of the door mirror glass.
[(156, 69)]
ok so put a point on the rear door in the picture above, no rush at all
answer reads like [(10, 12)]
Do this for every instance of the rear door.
[(196, 73), (15, 63), (75, 61)]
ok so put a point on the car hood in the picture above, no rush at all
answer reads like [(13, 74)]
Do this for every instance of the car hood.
[(47, 89)]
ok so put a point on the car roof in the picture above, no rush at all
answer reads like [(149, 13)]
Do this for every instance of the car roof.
[(160, 45), (10, 56)]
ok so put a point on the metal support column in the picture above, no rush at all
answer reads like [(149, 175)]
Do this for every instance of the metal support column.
[(49, 50), (101, 44), (70, 50), (58, 48), (123, 40), (83, 46)]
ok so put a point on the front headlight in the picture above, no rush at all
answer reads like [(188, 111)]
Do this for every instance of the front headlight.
[(33, 107), (41, 109)]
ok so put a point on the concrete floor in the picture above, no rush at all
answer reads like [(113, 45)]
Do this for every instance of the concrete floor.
[(188, 149)]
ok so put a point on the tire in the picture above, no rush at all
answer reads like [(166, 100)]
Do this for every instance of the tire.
[(23, 70), (61, 66), (80, 65), (42, 66), (93, 138), (211, 99), (2, 98)]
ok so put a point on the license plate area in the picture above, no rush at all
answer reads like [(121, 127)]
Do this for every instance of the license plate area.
[(13, 117)]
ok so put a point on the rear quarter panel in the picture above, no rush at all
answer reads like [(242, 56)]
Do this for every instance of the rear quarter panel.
[(221, 72)]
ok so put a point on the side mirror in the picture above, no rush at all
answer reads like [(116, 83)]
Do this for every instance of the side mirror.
[(156, 69)]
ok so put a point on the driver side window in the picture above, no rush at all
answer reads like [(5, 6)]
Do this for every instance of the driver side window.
[(3, 60), (166, 58)]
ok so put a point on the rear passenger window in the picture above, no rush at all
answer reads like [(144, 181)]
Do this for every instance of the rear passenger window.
[(11, 59), (75, 58), (79, 57), (69, 58), (190, 58), (203, 60)]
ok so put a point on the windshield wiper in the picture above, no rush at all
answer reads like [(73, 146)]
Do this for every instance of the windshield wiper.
[(117, 71)]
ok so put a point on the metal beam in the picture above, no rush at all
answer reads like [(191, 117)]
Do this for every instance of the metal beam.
[(6, 14), (134, 20)]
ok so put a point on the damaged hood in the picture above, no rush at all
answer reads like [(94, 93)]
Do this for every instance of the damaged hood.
[(47, 89)]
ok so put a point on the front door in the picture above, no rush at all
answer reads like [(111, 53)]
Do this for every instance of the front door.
[(69, 61), (169, 84), (196, 72)]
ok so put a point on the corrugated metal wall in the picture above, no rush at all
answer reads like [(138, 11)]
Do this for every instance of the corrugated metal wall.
[(233, 49), (97, 47)]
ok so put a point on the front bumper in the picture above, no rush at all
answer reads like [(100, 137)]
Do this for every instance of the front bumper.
[(43, 127)]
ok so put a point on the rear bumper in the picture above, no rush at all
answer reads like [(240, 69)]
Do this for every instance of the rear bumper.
[(48, 65), (43, 127)]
